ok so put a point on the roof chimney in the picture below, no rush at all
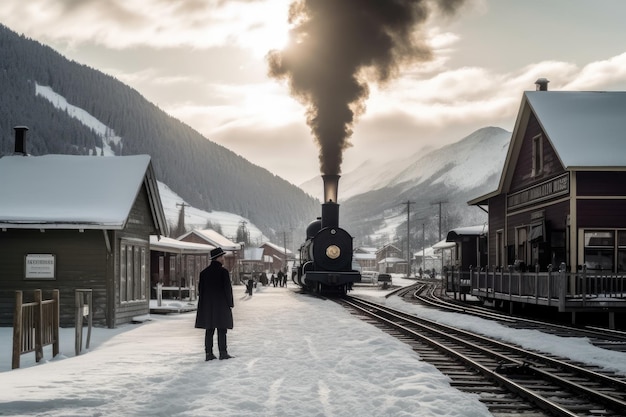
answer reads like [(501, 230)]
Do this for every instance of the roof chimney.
[(20, 133), (542, 84)]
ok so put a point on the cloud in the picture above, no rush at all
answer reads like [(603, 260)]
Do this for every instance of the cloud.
[(120, 24)]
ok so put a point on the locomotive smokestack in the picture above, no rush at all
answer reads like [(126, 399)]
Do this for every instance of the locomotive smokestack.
[(331, 187), (330, 208), (20, 134)]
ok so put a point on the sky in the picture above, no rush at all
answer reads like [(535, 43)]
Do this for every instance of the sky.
[(295, 355), (205, 62)]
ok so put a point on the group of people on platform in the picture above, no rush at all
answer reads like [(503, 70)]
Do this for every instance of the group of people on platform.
[(280, 279)]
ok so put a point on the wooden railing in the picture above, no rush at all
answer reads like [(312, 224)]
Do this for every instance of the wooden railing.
[(555, 286), (35, 325)]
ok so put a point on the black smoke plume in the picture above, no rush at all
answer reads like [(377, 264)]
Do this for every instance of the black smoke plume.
[(335, 47)]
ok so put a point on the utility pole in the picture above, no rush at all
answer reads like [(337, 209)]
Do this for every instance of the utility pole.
[(440, 238), (440, 203), (181, 219), (285, 250), (408, 237)]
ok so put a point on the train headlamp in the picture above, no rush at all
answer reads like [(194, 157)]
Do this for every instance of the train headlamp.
[(333, 251)]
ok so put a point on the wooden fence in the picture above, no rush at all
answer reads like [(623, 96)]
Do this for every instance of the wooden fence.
[(35, 325)]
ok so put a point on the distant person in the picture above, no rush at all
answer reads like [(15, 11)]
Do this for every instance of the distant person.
[(215, 301)]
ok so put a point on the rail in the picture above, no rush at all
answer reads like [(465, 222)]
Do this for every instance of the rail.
[(35, 325)]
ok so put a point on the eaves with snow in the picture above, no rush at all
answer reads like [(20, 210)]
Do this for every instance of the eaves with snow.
[(75, 192)]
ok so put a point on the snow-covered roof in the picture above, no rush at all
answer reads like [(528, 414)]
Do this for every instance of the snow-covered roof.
[(167, 244), (443, 244), (586, 128), (455, 234), (425, 253), (75, 192), (391, 260), (277, 248), (365, 249), (364, 256), (214, 238)]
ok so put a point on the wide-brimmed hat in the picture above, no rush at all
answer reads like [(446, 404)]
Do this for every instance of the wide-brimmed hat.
[(217, 252)]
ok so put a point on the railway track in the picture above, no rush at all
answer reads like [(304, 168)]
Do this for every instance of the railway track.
[(426, 294), (509, 380)]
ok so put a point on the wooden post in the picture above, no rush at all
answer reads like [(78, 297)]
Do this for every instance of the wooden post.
[(56, 320), (17, 330), (78, 322), (562, 286), (38, 327)]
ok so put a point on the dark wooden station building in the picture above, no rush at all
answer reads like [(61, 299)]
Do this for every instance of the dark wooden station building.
[(561, 200), (78, 222)]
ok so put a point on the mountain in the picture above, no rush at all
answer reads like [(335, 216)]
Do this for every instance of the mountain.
[(202, 173), (443, 179)]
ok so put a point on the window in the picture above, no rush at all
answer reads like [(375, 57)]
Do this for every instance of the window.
[(521, 242), (499, 248), (621, 251), (599, 250), (132, 272), (537, 156)]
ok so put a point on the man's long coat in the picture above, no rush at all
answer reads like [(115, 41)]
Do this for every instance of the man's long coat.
[(215, 300)]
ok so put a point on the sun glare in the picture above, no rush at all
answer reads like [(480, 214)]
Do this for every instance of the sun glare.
[(268, 27)]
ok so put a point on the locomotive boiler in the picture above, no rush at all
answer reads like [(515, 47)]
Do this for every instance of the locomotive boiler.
[(326, 255)]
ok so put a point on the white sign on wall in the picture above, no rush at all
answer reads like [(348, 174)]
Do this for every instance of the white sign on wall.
[(39, 266)]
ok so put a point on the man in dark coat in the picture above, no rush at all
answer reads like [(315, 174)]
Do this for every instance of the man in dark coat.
[(215, 301)]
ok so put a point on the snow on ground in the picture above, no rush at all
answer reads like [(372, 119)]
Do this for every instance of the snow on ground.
[(295, 355)]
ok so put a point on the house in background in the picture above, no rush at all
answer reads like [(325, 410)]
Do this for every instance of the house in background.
[(78, 222), (470, 246), (426, 259), (389, 260), (213, 238), (366, 258), (280, 256)]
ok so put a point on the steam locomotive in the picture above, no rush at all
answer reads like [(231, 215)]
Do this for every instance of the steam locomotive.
[(326, 255)]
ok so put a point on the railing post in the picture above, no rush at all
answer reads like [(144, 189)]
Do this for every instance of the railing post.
[(56, 321), (584, 285), (38, 327), (17, 330), (82, 309), (549, 284), (562, 286), (159, 291)]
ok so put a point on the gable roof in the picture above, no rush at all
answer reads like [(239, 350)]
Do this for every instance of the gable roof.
[(213, 238), (276, 248), (167, 244), (585, 129), (75, 192), (460, 232)]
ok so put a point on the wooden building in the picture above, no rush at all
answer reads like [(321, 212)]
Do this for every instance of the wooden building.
[(79, 222), (561, 196), (389, 259), (280, 256), (470, 246), (213, 238), (365, 257), (176, 265)]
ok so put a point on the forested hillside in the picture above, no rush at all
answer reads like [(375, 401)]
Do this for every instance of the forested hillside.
[(206, 175)]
